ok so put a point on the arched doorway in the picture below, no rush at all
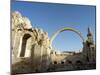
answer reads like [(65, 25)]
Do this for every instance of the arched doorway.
[(25, 47)]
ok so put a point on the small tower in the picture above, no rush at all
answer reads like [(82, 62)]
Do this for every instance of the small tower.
[(90, 47), (89, 36)]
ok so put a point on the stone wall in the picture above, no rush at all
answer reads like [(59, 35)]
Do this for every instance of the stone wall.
[(32, 51), (30, 46)]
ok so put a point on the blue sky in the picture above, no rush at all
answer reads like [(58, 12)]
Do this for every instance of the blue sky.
[(51, 17)]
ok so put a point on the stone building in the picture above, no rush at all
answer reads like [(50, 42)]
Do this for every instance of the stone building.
[(30, 46), (85, 57), (32, 49)]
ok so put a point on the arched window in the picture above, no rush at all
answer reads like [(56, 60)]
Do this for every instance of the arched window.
[(62, 62), (55, 62), (69, 62)]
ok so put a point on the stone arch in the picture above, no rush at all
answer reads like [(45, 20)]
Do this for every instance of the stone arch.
[(26, 37), (24, 43), (66, 29)]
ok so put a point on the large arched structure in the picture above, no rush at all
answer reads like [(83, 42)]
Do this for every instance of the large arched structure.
[(66, 29)]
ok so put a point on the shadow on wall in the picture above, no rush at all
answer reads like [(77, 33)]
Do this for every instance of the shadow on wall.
[(27, 65)]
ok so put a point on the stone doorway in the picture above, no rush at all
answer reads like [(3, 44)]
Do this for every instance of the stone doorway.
[(25, 48)]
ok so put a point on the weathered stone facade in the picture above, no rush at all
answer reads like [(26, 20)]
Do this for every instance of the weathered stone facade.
[(29, 44), (32, 50)]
